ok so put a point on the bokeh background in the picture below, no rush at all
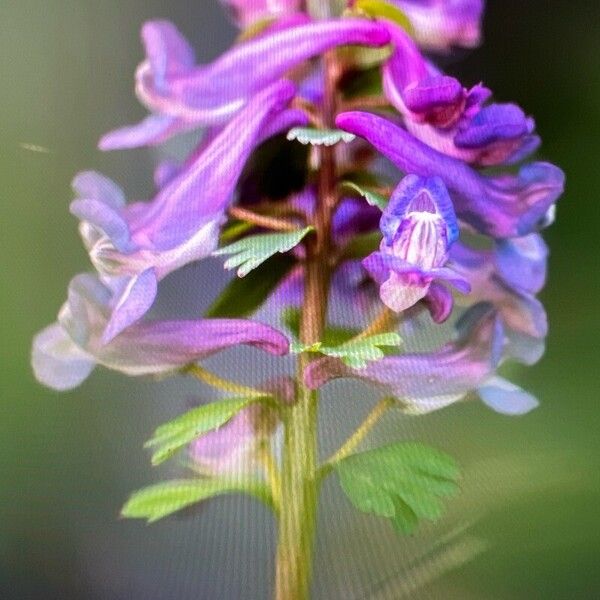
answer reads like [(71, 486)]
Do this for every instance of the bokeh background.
[(526, 525)]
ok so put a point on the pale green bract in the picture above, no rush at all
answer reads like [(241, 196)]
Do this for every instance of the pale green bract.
[(171, 437), (250, 252), (372, 198), (355, 353), (319, 137), (403, 482), (157, 501)]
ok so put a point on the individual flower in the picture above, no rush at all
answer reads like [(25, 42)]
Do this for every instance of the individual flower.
[(419, 227), (247, 12), (441, 24), (183, 96), (141, 243), (65, 353), (501, 206), (428, 381), (456, 121), (508, 276)]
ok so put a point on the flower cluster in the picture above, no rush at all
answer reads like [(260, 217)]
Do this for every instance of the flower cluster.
[(445, 230)]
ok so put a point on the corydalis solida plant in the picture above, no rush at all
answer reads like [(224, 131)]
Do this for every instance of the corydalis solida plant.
[(312, 230)]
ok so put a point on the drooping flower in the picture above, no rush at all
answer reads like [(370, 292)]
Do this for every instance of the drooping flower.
[(247, 12), (508, 276), (502, 206), (439, 111), (419, 227), (141, 243), (428, 381), (183, 96), (65, 353), (441, 24)]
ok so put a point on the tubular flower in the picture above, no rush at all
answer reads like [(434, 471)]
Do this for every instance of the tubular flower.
[(439, 111), (247, 12), (142, 243), (432, 380), (441, 24), (65, 353), (418, 226), (184, 96), (502, 206)]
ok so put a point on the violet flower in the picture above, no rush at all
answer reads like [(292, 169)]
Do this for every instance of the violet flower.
[(143, 242), (502, 206), (428, 381), (184, 96), (419, 227), (247, 12), (453, 120), (65, 353)]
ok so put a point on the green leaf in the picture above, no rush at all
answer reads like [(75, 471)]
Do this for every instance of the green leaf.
[(372, 198), (384, 10), (160, 500), (319, 137), (171, 437), (356, 353), (244, 296), (250, 252), (332, 336), (404, 482)]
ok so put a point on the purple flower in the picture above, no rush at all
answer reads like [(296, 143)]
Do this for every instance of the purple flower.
[(453, 120), (141, 243), (432, 380), (65, 353), (502, 206), (184, 96), (418, 226), (508, 276), (441, 24), (246, 12)]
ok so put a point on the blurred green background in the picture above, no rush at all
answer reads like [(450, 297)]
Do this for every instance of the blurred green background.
[(531, 489)]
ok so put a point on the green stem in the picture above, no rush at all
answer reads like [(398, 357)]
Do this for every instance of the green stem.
[(224, 384), (358, 436)]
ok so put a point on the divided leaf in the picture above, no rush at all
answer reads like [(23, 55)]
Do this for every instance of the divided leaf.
[(250, 252), (356, 353), (404, 482), (319, 137), (171, 437), (160, 500), (372, 198)]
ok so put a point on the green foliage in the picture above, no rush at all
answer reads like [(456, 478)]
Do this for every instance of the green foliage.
[(372, 198), (160, 500), (403, 482), (384, 10), (250, 252), (362, 245), (243, 296), (356, 352), (171, 437), (319, 137)]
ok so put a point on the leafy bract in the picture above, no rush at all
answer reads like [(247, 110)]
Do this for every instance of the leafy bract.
[(333, 335), (319, 137), (171, 437), (357, 352), (160, 500), (250, 252), (242, 296), (403, 482), (372, 198)]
